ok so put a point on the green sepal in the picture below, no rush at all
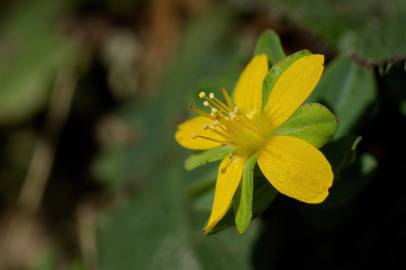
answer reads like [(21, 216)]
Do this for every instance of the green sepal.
[(208, 156), (276, 71), (243, 200), (269, 43), (312, 123)]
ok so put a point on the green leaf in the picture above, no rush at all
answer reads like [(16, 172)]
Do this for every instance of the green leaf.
[(312, 122), (243, 201), (270, 44), (370, 30), (276, 71), (208, 156), (348, 90), (342, 152)]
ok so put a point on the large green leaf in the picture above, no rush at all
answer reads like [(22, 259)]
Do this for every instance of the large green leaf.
[(348, 90), (312, 122), (370, 30)]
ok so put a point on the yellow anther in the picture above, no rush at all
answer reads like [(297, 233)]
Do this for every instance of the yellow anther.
[(206, 103), (211, 95), (202, 94), (214, 110)]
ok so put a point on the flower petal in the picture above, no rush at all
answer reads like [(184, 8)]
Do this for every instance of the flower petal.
[(248, 90), (185, 135), (228, 179), (296, 168), (293, 87)]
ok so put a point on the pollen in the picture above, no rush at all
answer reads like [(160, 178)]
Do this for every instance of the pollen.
[(202, 94)]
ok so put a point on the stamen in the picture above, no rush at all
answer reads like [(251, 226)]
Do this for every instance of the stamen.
[(227, 97), (220, 126), (222, 134), (208, 138), (217, 104), (227, 121)]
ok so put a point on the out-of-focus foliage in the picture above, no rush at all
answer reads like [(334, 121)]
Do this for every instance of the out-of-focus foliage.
[(369, 28), (349, 90), (118, 196), (31, 53)]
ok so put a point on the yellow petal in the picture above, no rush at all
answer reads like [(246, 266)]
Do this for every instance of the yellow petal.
[(228, 178), (188, 130), (296, 168), (248, 90), (293, 87)]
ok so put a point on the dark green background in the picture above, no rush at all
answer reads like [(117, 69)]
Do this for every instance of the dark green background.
[(118, 196)]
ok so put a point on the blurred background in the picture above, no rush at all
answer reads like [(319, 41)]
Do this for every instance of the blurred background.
[(90, 96)]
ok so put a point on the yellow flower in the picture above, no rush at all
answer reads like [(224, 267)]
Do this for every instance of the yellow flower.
[(293, 166)]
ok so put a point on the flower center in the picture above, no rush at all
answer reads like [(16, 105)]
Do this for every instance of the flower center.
[(233, 125)]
